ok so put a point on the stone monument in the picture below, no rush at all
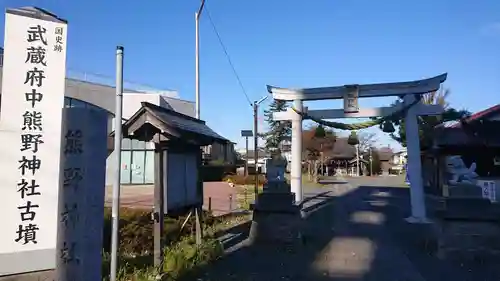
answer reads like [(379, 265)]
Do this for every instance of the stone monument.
[(276, 216)]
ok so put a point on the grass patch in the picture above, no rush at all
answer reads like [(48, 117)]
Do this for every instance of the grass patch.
[(245, 195), (307, 182), (182, 255)]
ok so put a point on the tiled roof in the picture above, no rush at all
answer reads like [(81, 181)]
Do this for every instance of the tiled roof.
[(474, 117), (167, 119), (341, 150), (182, 121)]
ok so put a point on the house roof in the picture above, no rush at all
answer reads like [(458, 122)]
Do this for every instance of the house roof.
[(171, 123), (341, 150), (477, 129), (385, 153), (260, 153), (489, 112)]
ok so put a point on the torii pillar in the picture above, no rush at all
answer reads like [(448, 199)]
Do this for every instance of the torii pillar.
[(409, 91), (296, 168)]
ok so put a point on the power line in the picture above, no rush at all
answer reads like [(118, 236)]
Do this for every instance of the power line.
[(228, 57)]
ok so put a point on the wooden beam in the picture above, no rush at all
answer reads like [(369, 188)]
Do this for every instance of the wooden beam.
[(365, 90), (422, 109)]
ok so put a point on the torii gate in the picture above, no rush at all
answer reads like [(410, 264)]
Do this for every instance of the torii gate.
[(409, 91)]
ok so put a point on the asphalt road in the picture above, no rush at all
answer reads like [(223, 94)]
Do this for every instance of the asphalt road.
[(355, 230), (346, 238)]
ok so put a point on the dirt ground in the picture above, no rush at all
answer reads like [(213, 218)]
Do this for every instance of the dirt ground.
[(220, 197)]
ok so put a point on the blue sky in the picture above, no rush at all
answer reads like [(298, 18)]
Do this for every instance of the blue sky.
[(286, 43)]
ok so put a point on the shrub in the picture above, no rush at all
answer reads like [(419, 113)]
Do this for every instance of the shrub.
[(182, 258), (244, 180), (216, 172), (136, 230)]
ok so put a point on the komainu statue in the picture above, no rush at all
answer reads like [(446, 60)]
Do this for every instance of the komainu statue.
[(276, 167), (458, 171)]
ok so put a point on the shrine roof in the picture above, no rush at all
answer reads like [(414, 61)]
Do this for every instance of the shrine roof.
[(171, 121)]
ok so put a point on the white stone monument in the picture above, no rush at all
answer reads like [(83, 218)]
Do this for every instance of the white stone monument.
[(34, 71)]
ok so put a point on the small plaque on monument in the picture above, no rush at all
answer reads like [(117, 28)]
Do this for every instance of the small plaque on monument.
[(275, 169), (275, 174)]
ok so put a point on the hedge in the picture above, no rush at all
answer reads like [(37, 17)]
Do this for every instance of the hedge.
[(216, 172), (244, 180)]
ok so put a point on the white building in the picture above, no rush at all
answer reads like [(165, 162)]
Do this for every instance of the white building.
[(398, 161)]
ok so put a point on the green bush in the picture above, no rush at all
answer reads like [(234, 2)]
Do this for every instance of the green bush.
[(181, 261), (182, 258), (216, 172), (245, 180), (136, 230)]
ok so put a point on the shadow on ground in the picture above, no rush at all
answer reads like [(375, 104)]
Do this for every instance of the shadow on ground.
[(350, 234)]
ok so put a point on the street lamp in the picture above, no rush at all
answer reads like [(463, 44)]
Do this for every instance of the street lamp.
[(256, 140), (197, 79)]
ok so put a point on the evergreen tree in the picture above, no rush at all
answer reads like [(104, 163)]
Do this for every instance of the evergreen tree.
[(278, 130), (427, 123)]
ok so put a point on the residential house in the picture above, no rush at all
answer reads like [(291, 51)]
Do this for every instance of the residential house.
[(385, 155), (222, 152), (262, 155), (398, 161)]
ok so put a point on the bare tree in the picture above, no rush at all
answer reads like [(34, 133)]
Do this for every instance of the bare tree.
[(316, 140), (367, 140)]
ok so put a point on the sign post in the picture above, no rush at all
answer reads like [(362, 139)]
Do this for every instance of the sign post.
[(34, 71), (247, 134)]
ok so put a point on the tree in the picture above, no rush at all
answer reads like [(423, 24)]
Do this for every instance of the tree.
[(366, 141), (426, 124), (376, 166), (315, 141), (278, 130)]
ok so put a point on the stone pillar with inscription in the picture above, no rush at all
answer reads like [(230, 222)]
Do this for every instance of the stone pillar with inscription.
[(34, 70), (81, 195), (276, 217)]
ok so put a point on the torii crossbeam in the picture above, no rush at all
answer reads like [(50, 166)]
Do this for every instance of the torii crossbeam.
[(408, 90)]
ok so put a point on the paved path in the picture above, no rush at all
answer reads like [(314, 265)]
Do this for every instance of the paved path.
[(346, 239)]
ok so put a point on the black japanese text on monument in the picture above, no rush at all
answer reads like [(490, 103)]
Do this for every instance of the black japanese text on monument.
[(31, 136), (73, 175), (32, 90)]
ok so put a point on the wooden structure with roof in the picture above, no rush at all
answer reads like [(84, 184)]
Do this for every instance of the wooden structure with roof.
[(178, 139), (475, 138), (178, 186), (467, 215)]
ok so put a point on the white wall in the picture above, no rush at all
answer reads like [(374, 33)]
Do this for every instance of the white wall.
[(131, 103)]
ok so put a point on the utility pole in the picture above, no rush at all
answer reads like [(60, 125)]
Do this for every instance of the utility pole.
[(357, 160), (246, 156), (256, 146), (256, 141), (197, 79), (371, 161), (115, 210)]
